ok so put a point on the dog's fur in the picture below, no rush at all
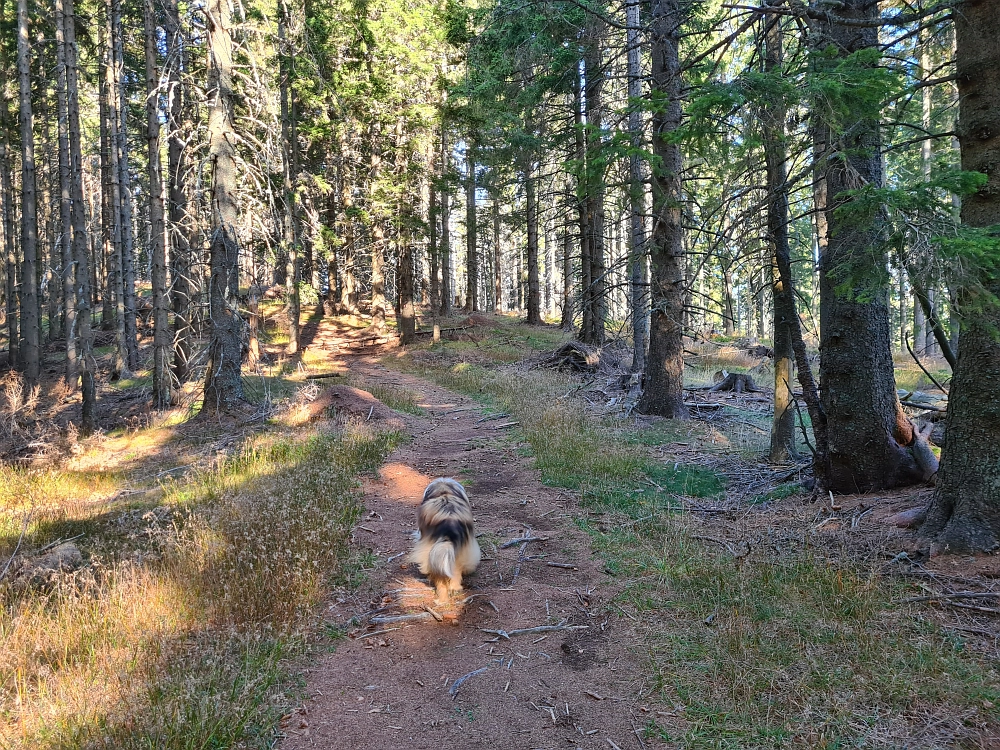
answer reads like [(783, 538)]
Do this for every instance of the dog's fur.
[(447, 548)]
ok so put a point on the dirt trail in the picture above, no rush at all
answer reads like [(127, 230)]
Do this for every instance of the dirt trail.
[(566, 688)]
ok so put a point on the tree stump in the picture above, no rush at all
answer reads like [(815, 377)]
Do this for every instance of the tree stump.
[(735, 381)]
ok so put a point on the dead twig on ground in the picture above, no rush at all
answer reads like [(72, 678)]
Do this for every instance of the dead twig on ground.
[(537, 629), (956, 595), (376, 632), (453, 690), (400, 618), (523, 540)]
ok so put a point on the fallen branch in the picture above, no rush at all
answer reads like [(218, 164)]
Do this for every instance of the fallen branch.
[(401, 618), (323, 375), (437, 616), (957, 595), (453, 690), (537, 629), (429, 331), (375, 632), (523, 540)]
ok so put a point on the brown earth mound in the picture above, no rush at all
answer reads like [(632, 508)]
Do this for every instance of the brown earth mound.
[(350, 402)]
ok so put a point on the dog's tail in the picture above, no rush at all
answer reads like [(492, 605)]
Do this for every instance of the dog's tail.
[(441, 560)]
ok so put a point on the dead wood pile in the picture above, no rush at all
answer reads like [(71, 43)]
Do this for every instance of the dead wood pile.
[(575, 356)]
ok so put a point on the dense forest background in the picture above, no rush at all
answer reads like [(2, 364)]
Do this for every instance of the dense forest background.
[(794, 174)]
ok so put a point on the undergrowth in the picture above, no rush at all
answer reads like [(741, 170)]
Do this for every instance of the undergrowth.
[(186, 641), (747, 648)]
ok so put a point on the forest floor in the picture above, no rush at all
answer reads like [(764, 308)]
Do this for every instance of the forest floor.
[(697, 599), (695, 596)]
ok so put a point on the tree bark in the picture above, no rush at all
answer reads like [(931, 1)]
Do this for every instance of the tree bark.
[(87, 367), (471, 257), (223, 385), (407, 312), (447, 290), (289, 137), (10, 246), (583, 211), (534, 298), (566, 320), (728, 316), (965, 511), (180, 247), (125, 191), (868, 432), (30, 324), (433, 245), (637, 193), (349, 284), (773, 118), (664, 378), (113, 203), (497, 258), (65, 196), (594, 286), (378, 311), (157, 239)]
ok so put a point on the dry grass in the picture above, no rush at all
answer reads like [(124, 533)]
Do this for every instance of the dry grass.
[(182, 639)]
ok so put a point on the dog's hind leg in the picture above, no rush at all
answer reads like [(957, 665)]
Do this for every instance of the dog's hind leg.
[(441, 591)]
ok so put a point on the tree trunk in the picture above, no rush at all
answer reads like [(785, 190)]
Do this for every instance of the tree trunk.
[(534, 298), (10, 246), (447, 291), (594, 290), (497, 258), (637, 193), (965, 511), (223, 385), (349, 284), (471, 258), (566, 321), (868, 431), (87, 367), (30, 328), (378, 310), (433, 244), (583, 211), (775, 155), (180, 248), (65, 196), (919, 326), (289, 137), (664, 380), (113, 203), (407, 313), (157, 239), (125, 188)]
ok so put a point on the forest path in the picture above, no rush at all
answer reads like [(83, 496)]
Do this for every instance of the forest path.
[(392, 685)]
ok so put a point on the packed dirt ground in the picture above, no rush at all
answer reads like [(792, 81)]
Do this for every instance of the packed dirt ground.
[(643, 583)]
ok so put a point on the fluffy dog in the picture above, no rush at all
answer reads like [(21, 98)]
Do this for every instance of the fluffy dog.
[(447, 547)]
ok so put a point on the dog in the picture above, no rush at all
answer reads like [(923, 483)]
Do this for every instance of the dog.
[(447, 548)]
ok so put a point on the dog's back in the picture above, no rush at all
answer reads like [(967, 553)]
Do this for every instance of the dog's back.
[(447, 548)]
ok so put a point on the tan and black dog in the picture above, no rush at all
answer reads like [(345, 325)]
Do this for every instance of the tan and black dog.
[(447, 548)]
